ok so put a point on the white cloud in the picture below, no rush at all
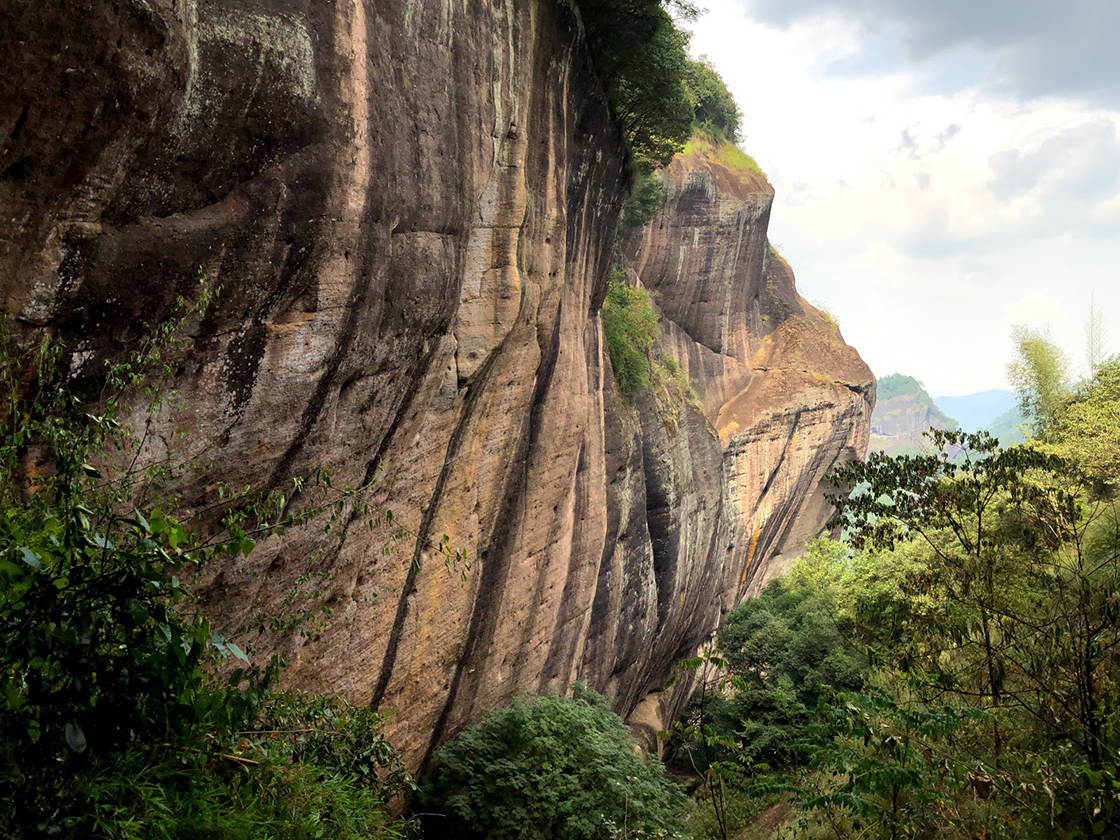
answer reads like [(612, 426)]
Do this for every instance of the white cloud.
[(929, 221)]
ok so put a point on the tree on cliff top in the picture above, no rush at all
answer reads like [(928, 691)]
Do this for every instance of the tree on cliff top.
[(642, 57), (714, 107)]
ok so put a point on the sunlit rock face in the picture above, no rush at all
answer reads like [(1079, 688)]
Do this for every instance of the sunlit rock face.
[(786, 398), (410, 209)]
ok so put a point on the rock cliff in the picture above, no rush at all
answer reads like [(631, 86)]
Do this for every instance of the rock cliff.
[(903, 415), (410, 209)]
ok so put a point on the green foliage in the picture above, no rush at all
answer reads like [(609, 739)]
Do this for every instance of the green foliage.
[(715, 110), (333, 735), (269, 782), (1039, 373), (644, 200), (1001, 697), (897, 385), (788, 646), (954, 671), (656, 92), (642, 57), (1085, 429), (551, 768), (115, 721), (630, 327)]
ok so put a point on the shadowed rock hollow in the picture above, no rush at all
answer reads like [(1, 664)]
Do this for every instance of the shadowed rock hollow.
[(410, 208)]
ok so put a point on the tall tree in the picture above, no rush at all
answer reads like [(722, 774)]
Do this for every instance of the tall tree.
[(1039, 373), (1094, 336)]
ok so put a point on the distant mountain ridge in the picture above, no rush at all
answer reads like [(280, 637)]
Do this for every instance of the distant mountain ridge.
[(978, 411)]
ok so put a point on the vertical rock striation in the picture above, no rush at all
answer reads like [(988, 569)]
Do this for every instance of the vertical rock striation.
[(410, 206), (783, 396)]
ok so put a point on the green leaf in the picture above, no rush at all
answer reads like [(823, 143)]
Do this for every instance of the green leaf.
[(239, 653), (176, 535), (31, 558)]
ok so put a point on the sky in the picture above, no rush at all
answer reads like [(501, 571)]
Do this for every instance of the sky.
[(944, 170)]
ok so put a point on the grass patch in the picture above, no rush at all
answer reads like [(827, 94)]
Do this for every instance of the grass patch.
[(630, 324), (722, 151), (736, 159), (630, 327), (829, 317)]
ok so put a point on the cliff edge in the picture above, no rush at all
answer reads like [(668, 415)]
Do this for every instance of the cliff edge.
[(411, 277)]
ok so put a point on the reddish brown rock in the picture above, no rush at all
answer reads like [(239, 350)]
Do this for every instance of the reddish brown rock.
[(410, 208)]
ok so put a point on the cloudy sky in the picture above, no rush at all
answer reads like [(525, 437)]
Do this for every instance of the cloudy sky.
[(944, 168)]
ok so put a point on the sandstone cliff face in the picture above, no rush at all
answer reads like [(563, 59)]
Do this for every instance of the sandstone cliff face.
[(410, 209), (786, 396)]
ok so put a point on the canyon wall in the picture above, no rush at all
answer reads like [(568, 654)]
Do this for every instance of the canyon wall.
[(409, 210)]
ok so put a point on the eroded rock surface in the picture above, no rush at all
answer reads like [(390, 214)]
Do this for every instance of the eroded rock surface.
[(410, 208)]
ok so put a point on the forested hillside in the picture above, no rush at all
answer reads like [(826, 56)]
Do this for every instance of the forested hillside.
[(903, 413), (950, 667)]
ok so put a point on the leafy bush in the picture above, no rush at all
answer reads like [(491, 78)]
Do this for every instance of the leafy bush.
[(630, 326), (714, 107), (548, 768), (267, 783), (644, 200), (790, 651)]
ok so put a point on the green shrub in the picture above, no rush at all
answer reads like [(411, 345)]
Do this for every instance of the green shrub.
[(644, 200), (548, 768), (630, 326), (714, 107)]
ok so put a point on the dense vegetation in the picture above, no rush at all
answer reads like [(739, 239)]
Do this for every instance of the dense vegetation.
[(551, 767), (642, 56), (897, 385), (657, 93), (952, 669), (714, 108), (630, 328)]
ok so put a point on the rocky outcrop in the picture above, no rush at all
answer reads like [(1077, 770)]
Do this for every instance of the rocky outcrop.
[(410, 210), (903, 416), (786, 398)]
